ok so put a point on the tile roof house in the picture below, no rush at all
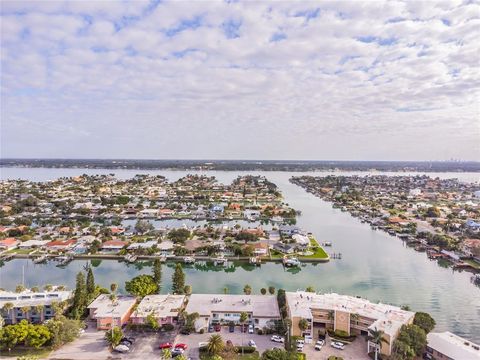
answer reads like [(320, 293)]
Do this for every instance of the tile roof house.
[(9, 244)]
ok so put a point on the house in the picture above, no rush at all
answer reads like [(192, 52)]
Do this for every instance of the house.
[(61, 245), (251, 214), (144, 245), (166, 248), (284, 248), (165, 308), (32, 244), (108, 313), (346, 313), (446, 345), (302, 241), (289, 230), (113, 245), (214, 308), (274, 235), (260, 249), (9, 244), (39, 305)]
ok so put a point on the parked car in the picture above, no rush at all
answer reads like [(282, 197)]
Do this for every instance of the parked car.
[(318, 346), (130, 340), (177, 352), (337, 345), (166, 345), (299, 347), (320, 342), (202, 344), (252, 343), (181, 346), (121, 348), (300, 342), (211, 329), (277, 338), (217, 327), (231, 328), (250, 329)]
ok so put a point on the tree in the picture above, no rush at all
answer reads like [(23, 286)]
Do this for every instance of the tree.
[(113, 287), (310, 289), (63, 330), (179, 236), (376, 337), (90, 285), (19, 288), (115, 336), (402, 351), (157, 273), (79, 297), (424, 321), (271, 290), (190, 320), (141, 285), (263, 291), (167, 354), (247, 289), (178, 280), (279, 354), (225, 290), (152, 321), (187, 290), (215, 345), (414, 336), (303, 324), (7, 307), (143, 226), (38, 335), (48, 287)]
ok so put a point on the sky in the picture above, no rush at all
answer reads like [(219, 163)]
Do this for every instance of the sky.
[(324, 80)]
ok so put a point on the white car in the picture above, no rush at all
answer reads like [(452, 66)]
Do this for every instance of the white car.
[(121, 349), (319, 344), (300, 342), (278, 339), (250, 329), (252, 343), (299, 347), (337, 345)]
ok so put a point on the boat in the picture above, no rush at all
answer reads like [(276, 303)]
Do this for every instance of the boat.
[(327, 243), (255, 261), (189, 260), (221, 260), (276, 219), (475, 278), (6, 257), (291, 262), (130, 258), (40, 259), (64, 260)]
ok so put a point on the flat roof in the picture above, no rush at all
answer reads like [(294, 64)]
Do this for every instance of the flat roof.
[(453, 346), (105, 308), (161, 305), (258, 305), (388, 318), (30, 298)]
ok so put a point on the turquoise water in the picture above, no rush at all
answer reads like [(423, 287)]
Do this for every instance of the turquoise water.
[(374, 264)]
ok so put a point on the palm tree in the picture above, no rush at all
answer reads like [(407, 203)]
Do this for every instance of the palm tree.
[(331, 315), (303, 324), (167, 354), (7, 307), (25, 310), (243, 319), (39, 310), (376, 337), (225, 290), (215, 345), (247, 289), (354, 317)]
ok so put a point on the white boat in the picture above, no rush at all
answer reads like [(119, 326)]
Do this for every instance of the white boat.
[(40, 259), (130, 258), (327, 243), (276, 219), (220, 260), (188, 260), (290, 262)]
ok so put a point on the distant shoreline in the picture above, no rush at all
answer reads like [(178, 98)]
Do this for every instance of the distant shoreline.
[(246, 165)]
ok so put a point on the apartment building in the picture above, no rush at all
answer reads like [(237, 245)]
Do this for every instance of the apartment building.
[(346, 313), (448, 346), (165, 308), (110, 313)]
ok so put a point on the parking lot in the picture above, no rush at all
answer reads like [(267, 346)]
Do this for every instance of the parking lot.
[(357, 350)]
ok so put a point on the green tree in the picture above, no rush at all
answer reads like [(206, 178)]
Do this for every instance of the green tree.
[(38, 335), (178, 280), (114, 337), (187, 290), (190, 320), (141, 285), (19, 288), (279, 354), (90, 285), (247, 289), (377, 337), (152, 321), (414, 336), (215, 345), (310, 289), (143, 226), (263, 291), (425, 321), (80, 297), (63, 330), (157, 273), (303, 324), (402, 351)]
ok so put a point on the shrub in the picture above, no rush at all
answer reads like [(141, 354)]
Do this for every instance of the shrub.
[(201, 331), (167, 327), (246, 349), (260, 332)]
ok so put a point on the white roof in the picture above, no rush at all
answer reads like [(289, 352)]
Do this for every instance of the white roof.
[(30, 243), (145, 245), (453, 346), (388, 318), (301, 239), (165, 245), (30, 298), (258, 305), (161, 305), (104, 307)]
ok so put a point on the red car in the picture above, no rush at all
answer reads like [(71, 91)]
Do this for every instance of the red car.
[(166, 345), (217, 327), (181, 346)]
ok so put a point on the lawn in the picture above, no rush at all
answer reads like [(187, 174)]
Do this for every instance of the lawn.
[(41, 353), (318, 252), (19, 251), (473, 263)]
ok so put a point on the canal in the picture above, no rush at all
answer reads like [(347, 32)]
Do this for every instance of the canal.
[(374, 265)]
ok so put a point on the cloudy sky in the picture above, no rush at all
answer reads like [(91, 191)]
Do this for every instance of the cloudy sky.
[(241, 80)]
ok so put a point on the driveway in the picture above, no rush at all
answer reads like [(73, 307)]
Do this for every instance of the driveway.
[(263, 342), (91, 345), (357, 350)]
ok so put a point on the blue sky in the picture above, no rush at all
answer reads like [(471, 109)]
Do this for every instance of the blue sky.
[(240, 80)]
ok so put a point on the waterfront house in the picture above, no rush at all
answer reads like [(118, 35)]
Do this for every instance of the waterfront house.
[(32, 244), (61, 245), (36, 307), (274, 235), (289, 230), (284, 248), (108, 313), (165, 309), (352, 315), (301, 241), (142, 245), (260, 249), (446, 345), (215, 308), (166, 248), (113, 246), (9, 244)]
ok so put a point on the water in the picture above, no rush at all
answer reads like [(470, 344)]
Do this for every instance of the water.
[(374, 265)]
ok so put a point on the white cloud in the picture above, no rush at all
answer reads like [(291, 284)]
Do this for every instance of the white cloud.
[(241, 80)]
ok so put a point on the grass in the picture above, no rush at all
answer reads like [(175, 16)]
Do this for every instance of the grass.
[(41, 353), (473, 263), (19, 251), (318, 252)]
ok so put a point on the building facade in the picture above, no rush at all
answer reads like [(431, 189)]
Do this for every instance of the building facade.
[(165, 308)]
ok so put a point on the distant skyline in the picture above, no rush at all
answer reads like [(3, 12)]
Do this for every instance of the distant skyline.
[(235, 80)]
